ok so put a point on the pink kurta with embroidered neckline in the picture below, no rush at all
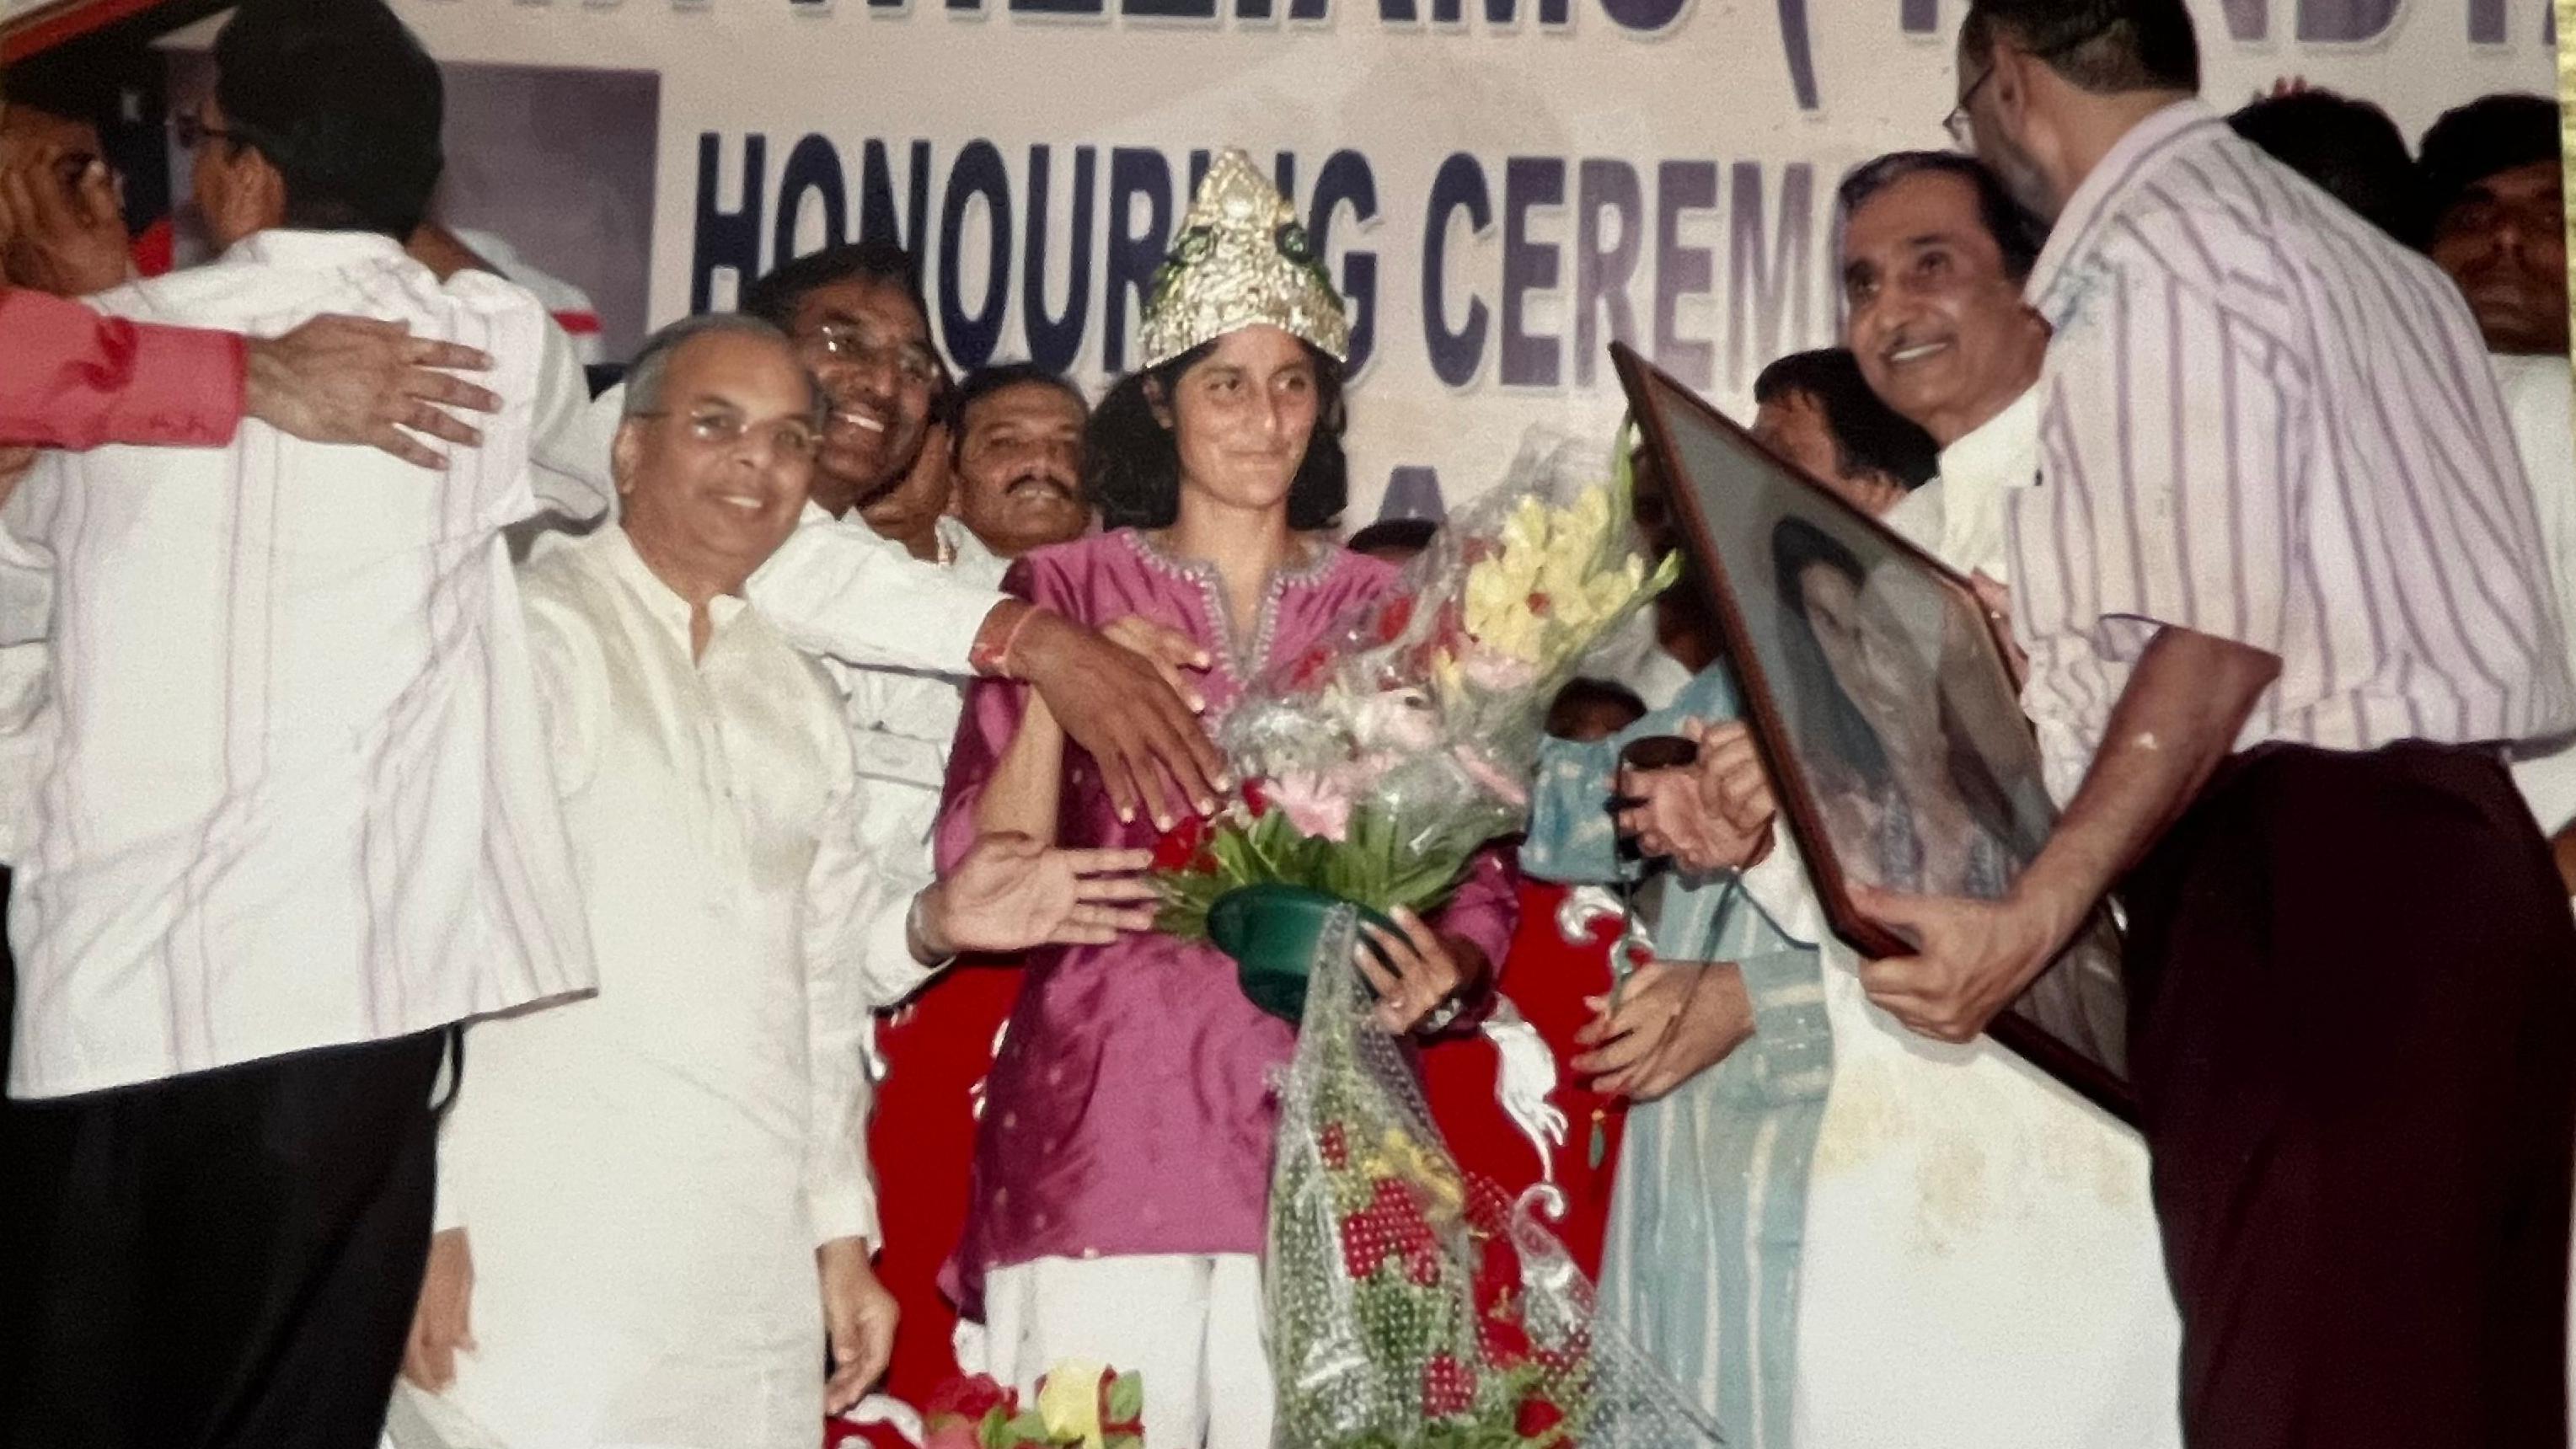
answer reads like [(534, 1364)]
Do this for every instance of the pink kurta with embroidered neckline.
[(1131, 1109)]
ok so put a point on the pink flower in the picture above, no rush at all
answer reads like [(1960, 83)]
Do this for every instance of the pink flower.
[(1399, 719), (1316, 805), (1511, 792), (1496, 672)]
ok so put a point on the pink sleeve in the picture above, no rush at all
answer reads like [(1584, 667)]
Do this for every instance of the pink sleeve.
[(70, 378), (1484, 912)]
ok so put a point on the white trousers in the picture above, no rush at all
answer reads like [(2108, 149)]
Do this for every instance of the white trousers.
[(1191, 1325)]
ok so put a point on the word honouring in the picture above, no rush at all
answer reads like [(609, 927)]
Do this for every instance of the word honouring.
[(1647, 254)]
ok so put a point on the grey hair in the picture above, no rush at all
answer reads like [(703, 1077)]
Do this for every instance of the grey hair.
[(652, 364)]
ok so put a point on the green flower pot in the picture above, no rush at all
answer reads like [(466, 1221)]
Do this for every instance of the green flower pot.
[(1271, 930)]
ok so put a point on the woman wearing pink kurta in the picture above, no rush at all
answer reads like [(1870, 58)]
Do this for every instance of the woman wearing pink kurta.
[(1123, 1163)]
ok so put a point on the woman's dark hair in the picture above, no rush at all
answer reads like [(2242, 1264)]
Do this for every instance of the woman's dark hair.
[(1869, 436), (343, 101), (1132, 465), (1796, 546)]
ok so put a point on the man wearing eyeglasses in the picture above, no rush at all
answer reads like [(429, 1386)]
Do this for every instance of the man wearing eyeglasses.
[(654, 1206), (71, 378), (2284, 604)]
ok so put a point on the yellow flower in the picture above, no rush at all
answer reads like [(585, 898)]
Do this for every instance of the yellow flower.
[(1525, 532), (1069, 1401)]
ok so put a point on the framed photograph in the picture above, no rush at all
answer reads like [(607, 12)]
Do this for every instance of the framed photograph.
[(1878, 692)]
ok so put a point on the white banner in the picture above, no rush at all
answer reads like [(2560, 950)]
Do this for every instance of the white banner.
[(1501, 186)]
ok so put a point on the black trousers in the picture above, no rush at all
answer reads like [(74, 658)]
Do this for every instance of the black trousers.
[(2353, 1032), (226, 1260)]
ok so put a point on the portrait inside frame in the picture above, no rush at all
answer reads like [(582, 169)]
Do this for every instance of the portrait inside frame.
[(1878, 694)]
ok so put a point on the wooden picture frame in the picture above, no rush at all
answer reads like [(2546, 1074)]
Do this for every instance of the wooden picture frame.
[(1878, 691)]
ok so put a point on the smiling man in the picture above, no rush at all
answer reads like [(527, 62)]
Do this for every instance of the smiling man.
[(1934, 254), (654, 1211), (855, 313), (1019, 458)]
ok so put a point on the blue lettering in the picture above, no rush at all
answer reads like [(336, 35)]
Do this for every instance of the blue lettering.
[(876, 196), (1680, 271), (725, 240), (813, 166), (1646, 17), (1132, 256), (1456, 356), (1054, 342), (1529, 183), (978, 174), (1801, 53), (1603, 274), (1346, 181), (1503, 12), (1413, 491), (1766, 288), (2345, 22)]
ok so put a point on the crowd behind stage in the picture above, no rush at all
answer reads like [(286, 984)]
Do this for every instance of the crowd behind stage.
[(555, 915)]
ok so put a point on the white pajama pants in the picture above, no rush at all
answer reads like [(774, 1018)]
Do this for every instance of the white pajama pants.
[(1191, 1325)]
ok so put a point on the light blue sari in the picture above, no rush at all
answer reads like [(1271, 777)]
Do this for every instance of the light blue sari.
[(1709, 1208)]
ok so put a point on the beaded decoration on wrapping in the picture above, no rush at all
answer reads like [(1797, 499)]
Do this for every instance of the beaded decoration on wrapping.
[(1409, 1306)]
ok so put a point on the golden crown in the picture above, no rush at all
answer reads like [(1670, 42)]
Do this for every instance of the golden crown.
[(1241, 259)]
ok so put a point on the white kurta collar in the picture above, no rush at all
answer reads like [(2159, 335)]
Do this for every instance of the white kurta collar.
[(304, 250), (658, 598)]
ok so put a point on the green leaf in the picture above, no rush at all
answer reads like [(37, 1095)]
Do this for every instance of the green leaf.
[(1127, 1396)]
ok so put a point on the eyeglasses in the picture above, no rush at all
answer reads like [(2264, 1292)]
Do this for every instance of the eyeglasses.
[(190, 131), (839, 342), (788, 437), (1962, 129)]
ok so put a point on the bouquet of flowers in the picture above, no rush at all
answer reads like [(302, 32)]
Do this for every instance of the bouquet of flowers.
[(1086, 1404), (1408, 1306), (1380, 760)]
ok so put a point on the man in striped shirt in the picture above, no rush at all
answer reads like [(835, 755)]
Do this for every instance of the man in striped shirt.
[(2284, 603)]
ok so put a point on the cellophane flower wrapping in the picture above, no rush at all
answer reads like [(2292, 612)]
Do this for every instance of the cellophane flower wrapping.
[(1380, 760), (1410, 1306)]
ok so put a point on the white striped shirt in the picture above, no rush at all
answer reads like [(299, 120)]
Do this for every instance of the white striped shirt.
[(2263, 421), (284, 783)]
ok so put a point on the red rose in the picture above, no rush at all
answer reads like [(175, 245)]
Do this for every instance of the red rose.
[(1537, 1417), (1392, 619), (1422, 1266), (1256, 799), (971, 1399), (1448, 1387), (1363, 1246), (1180, 845)]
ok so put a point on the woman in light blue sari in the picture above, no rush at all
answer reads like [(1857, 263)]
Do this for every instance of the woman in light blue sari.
[(1704, 1277)]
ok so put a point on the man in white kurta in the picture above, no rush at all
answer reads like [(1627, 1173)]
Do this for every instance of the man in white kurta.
[(662, 1190)]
